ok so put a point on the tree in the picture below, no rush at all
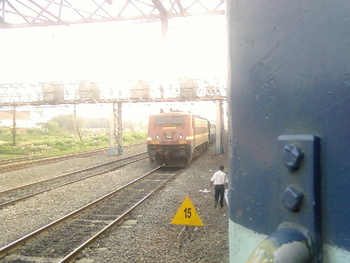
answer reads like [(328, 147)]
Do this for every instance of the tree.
[(52, 127), (69, 122)]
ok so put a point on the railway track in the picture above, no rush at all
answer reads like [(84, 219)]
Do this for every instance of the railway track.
[(17, 194), (25, 162), (29, 161), (63, 239)]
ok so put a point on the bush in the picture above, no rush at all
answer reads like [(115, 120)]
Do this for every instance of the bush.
[(5, 134), (36, 141), (134, 137)]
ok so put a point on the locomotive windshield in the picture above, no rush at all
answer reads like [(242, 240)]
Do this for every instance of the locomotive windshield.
[(177, 119), (159, 120)]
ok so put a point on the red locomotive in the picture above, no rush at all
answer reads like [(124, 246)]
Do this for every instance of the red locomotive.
[(175, 138)]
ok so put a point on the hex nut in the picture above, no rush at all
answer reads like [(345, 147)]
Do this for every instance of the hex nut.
[(292, 157), (292, 198)]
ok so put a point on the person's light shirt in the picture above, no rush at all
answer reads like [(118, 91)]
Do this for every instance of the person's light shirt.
[(219, 178)]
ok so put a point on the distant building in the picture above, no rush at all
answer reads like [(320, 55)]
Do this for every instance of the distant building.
[(23, 119)]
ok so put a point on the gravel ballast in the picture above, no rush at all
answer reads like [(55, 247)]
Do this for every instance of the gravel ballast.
[(147, 235)]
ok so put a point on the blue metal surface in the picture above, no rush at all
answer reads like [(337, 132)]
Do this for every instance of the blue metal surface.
[(290, 75)]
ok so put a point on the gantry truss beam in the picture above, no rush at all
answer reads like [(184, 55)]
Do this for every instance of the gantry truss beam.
[(36, 94), (30, 13)]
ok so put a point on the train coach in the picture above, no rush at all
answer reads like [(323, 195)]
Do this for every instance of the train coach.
[(175, 138)]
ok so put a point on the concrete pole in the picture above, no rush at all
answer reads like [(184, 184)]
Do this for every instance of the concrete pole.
[(120, 128), (76, 123), (218, 142), (111, 131), (14, 133)]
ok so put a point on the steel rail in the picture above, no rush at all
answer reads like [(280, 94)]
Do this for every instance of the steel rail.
[(71, 173), (71, 257), (2, 205), (13, 245), (43, 161), (24, 162)]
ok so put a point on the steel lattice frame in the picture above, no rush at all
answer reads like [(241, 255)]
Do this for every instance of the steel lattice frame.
[(29, 13), (35, 94)]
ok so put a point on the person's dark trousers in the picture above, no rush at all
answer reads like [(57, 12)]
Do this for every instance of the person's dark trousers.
[(219, 193)]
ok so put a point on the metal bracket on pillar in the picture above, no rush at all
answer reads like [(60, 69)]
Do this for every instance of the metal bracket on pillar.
[(297, 239), (299, 181)]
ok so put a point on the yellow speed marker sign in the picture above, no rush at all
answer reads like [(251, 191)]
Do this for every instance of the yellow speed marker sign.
[(187, 215)]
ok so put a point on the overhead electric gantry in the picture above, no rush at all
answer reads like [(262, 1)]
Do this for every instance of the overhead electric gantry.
[(183, 90), (34, 13)]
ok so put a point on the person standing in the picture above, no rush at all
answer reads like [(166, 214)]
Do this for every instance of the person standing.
[(220, 182)]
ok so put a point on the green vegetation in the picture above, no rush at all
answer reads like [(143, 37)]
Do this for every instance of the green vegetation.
[(57, 136)]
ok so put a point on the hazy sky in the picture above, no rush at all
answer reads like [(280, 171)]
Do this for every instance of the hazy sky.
[(195, 47), (115, 52)]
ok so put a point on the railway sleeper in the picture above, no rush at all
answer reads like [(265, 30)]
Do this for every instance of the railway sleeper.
[(93, 223)]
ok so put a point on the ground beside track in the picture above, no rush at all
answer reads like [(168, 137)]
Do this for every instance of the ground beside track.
[(148, 235)]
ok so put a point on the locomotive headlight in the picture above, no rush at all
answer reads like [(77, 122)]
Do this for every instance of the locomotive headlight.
[(180, 136), (157, 136)]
